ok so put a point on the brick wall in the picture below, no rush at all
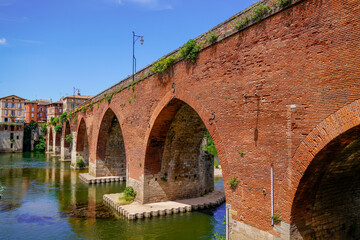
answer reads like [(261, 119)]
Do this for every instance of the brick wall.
[(260, 91)]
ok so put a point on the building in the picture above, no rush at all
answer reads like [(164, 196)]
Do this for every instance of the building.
[(73, 101), (11, 137), (11, 109), (36, 110), (54, 109)]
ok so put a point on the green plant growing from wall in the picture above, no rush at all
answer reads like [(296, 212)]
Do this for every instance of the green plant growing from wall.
[(108, 97), (163, 64), (190, 51), (283, 3), (75, 118), (241, 153), (233, 182), (276, 218), (68, 138), (58, 128), (43, 128), (83, 109), (163, 179), (129, 193), (259, 11), (12, 140), (63, 117), (211, 37), (239, 24)]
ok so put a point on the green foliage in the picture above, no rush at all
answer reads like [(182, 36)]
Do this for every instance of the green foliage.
[(190, 51), (163, 64), (43, 128), (108, 97), (217, 236), (276, 218), (241, 153), (163, 179), (2, 189), (54, 121), (40, 145), (211, 37), (283, 3), (75, 118), (68, 138), (63, 117), (233, 182), (216, 164), (241, 22), (129, 193), (33, 125), (83, 109), (91, 105), (80, 163), (12, 140), (210, 146), (259, 11), (58, 128)]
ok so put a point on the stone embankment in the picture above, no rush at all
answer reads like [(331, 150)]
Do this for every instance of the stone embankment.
[(87, 178), (136, 210)]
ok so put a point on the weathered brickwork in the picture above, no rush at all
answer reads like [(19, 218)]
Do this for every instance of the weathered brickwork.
[(81, 144), (278, 91)]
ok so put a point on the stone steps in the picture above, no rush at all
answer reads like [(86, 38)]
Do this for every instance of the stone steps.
[(136, 210), (87, 178)]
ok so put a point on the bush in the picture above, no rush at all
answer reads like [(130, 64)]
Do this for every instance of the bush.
[(233, 182), (43, 128), (276, 218), (58, 128), (34, 125), (54, 121), (68, 138), (80, 163), (163, 64), (40, 145), (241, 23), (63, 117), (210, 146), (190, 51), (129, 193)]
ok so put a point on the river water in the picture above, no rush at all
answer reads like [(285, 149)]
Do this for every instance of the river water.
[(44, 199)]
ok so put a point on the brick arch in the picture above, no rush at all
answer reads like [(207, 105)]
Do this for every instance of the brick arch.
[(175, 132), (337, 126), (203, 113), (67, 130), (110, 148), (81, 132)]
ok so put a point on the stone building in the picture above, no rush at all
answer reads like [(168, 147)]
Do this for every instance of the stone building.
[(11, 137), (54, 109), (73, 101), (11, 109)]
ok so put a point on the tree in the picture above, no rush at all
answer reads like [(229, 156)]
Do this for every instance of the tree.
[(34, 125), (40, 145), (63, 117), (58, 128), (44, 128), (54, 121)]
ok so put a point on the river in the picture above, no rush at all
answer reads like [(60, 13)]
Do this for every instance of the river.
[(44, 199)]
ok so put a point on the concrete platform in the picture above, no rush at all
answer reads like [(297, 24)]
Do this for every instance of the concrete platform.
[(87, 178), (65, 160), (136, 210)]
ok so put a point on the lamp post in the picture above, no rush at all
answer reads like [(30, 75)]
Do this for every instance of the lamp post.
[(135, 38)]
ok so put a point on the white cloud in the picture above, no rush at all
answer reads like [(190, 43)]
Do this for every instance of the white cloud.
[(3, 41)]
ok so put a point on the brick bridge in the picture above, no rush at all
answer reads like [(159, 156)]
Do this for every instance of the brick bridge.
[(280, 92)]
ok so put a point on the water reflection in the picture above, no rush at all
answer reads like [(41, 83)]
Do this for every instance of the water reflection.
[(45, 199)]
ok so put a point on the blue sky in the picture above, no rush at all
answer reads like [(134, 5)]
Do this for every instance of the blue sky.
[(47, 47)]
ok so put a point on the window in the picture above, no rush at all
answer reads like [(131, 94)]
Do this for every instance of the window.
[(13, 112), (40, 114), (6, 119), (5, 127), (52, 110), (78, 100), (37, 115), (24, 114), (60, 110), (19, 113), (72, 106), (32, 115), (72, 100), (32, 109), (6, 112), (11, 145), (6, 105), (17, 137), (12, 129), (19, 106), (38, 109), (13, 105)]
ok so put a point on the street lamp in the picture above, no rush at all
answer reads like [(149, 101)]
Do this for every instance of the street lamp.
[(135, 38)]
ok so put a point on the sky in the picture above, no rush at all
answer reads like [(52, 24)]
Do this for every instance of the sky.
[(48, 47)]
